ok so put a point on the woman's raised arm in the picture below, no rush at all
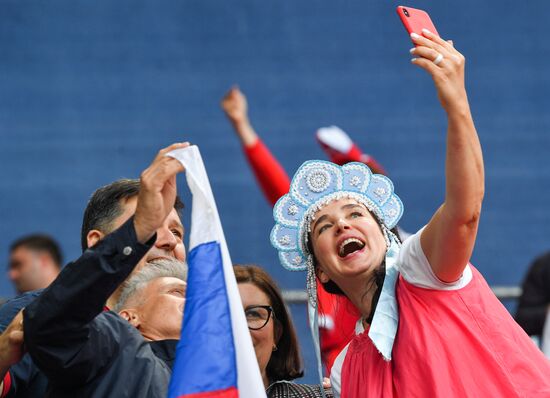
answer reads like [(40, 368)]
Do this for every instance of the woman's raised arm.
[(449, 238)]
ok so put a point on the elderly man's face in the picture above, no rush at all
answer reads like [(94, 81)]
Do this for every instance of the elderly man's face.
[(159, 314)]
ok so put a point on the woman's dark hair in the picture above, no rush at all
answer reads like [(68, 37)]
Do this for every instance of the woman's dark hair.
[(286, 362)]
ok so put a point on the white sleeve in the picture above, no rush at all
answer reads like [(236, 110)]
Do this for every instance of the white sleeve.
[(416, 269), (336, 372)]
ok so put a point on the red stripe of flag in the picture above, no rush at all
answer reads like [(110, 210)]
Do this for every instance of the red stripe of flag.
[(230, 392)]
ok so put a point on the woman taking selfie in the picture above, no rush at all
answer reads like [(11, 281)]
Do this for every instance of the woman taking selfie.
[(430, 325)]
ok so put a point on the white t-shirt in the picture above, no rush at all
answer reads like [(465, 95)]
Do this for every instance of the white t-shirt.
[(416, 270)]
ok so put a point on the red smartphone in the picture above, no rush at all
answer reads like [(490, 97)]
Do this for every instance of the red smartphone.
[(415, 20)]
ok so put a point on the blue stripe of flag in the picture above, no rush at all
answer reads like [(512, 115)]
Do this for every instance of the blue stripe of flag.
[(205, 358)]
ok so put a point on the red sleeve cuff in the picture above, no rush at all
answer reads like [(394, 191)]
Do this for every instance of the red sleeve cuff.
[(7, 385), (255, 152)]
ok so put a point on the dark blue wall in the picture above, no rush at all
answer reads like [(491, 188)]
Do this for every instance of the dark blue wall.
[(90, 90)]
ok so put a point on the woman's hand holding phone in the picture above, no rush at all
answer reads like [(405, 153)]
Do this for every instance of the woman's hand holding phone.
[(415, 20), (437, 56), (446, 66)]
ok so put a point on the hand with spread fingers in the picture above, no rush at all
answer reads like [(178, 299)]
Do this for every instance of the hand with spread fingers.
[(157, 193), (446, 66)]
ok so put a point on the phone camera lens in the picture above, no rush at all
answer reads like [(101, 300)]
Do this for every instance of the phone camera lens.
[(405, 12)]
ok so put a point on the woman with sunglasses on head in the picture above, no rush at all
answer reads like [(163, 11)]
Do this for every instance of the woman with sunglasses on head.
[(273, 335), (430, 324)]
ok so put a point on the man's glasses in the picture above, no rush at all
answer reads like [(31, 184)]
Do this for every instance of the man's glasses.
[(258, 316)]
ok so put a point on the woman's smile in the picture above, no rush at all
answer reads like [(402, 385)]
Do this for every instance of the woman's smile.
[(349, 246)]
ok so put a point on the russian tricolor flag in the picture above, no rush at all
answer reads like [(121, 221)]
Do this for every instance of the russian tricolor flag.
[(215, 357)]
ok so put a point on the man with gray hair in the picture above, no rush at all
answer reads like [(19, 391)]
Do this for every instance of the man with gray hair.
[(108, 210), (87, 352), (153, 299)]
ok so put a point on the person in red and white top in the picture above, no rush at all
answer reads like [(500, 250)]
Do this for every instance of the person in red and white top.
[(275, 182), (430, 325)]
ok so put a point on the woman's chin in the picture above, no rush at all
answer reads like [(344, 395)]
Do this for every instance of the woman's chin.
[(357, 268)]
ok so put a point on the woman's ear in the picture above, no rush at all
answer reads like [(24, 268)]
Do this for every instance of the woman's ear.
[(93, 237), (321, 275), (131, 316)]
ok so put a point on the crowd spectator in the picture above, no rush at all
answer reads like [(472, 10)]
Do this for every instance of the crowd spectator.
[(69, 336), (109, 208), (430, 325), (275, 182), (35, 261), (87, 352), (534, 302), (273, 335)]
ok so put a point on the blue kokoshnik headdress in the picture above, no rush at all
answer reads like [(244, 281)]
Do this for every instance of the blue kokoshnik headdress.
[(315, 184)]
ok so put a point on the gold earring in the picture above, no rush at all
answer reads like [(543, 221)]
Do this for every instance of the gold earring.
[(274, 347)]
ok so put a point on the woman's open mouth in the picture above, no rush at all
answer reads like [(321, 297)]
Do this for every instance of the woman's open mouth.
[(350, 246)]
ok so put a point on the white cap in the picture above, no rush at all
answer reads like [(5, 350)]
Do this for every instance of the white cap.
[(335, 137)]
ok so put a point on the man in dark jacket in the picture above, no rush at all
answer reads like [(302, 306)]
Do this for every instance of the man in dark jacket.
[(109, 207), (66, 332), (534, 303), (87, 352)]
